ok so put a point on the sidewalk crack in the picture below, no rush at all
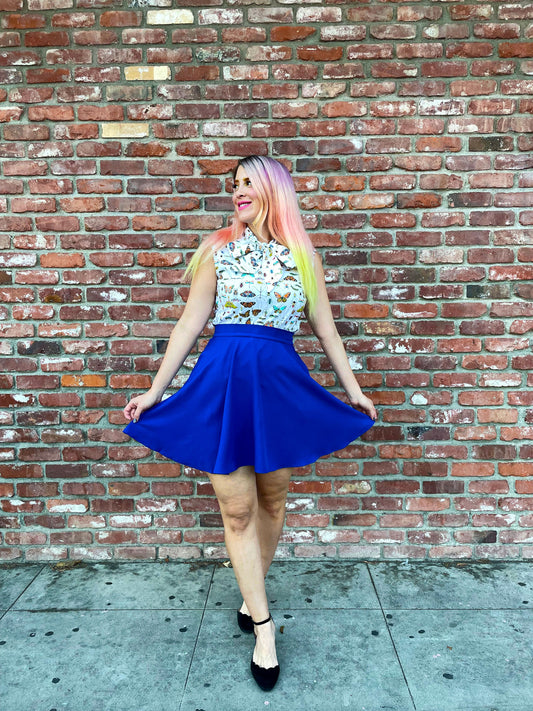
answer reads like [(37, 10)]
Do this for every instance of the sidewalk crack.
[(390, 636), (197, 636), (3, 613)]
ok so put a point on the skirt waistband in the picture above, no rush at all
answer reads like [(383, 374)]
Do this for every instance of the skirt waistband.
[(253, 330)]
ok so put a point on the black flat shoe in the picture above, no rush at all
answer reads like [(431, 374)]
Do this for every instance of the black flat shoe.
[(245, 622), (265, 678)]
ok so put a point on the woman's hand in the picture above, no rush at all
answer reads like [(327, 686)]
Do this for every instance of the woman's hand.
[(364, 403), (139, 404)]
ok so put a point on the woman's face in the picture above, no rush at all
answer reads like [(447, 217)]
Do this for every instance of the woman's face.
[(246, 201)]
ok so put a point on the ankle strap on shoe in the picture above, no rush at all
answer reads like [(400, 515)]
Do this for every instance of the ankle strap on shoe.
[(264, 621)]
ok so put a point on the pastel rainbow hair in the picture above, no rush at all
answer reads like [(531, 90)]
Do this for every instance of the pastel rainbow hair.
[(279, 209)]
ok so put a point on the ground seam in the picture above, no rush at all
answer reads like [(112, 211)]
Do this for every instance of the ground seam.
[(197, 636), (390, 637)]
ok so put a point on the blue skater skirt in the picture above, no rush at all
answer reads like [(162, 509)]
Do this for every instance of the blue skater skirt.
[(249, 400)]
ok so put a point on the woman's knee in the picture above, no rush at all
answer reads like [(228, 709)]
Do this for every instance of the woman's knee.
[(273, 507), (272, 492), (237, 498), (238, 517)]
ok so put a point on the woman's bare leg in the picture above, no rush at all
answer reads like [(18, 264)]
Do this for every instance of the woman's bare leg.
[(237, 496), (271, 499)]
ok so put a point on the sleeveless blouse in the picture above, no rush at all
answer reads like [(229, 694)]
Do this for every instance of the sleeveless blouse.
[(258, 283)]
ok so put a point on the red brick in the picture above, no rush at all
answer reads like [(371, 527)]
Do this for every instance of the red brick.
[(209, 73), (307, 520), (370, 51), (422, 50), (473, 87), (202, 35), (388, 145), (373, 126), (144, 36), (515, 12), (95, 37), (27, 21), (493, 67), (315, 53), (77, 19), (515, 49), (469, 49), (46, 39), (68, 56), (435, 144), (237, 34), (444, 69), (120, 18), (468, 12), (372, 88), (392, 108), (393, 70), (160, 55), (393, 32)]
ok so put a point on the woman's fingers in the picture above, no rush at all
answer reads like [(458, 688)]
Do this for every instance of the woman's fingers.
[(139, 404), (367, 406), (131, 411)]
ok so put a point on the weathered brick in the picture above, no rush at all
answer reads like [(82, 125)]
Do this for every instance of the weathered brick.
[(74, 19), (393, 70), (370, 51), (469, 49), (393, 32), (95, 37), (473, 87), (443, 69), (515, 49), (416, 50), (46, 39)]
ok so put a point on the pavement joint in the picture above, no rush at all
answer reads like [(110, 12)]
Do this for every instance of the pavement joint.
[(387, 626)]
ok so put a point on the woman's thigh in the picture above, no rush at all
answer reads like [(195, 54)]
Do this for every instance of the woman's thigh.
[(272, 487), (236, 492)]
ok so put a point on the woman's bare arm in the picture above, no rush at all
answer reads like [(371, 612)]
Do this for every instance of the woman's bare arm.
[(324, 328), (193, 319), (182, 338)]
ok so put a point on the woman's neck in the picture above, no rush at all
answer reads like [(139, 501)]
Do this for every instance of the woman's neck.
[(262, 234)]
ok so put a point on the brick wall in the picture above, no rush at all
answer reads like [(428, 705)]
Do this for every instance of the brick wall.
[(408, 128)]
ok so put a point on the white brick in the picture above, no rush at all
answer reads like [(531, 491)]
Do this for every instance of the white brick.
[(49, 4), (225, 128), (124, 130), (220, 17), (169, 17), (154, 73)]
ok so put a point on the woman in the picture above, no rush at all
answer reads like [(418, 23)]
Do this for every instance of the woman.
[(250, 411)]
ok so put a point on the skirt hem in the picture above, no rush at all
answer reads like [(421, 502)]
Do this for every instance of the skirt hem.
[(309, 460)]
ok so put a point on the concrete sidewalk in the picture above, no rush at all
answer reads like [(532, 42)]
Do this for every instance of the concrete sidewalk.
[(362, 636)]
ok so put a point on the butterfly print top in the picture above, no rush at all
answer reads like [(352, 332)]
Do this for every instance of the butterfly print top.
[(258, 283)]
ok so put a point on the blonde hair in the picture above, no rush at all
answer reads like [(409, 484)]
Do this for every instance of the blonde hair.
[(279, 210)]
